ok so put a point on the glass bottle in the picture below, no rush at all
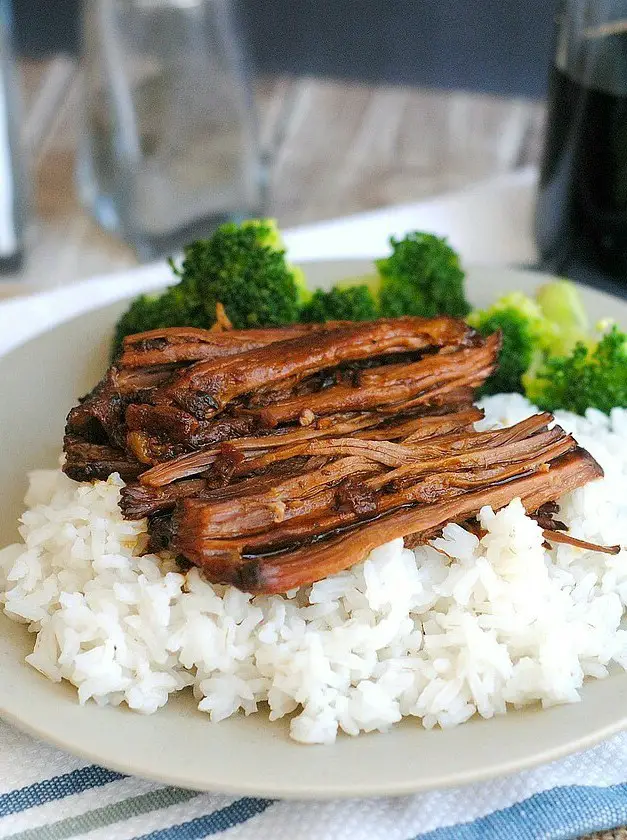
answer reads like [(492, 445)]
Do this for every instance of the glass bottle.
[(581, 215), (169, 145)]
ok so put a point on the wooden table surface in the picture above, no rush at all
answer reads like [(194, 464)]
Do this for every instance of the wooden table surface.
[(336, 148)]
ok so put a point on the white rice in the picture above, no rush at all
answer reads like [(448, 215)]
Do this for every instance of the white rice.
[(458, 628)]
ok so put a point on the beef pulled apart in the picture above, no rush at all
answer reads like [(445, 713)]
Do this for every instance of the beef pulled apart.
[(252, 518), (271, 458), (292, 567)]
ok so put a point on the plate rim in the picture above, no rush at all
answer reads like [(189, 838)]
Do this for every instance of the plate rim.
[(372, 790)]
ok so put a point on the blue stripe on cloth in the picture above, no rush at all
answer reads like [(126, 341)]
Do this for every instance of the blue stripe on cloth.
[(58, 787), (558, 814), (239, 812)]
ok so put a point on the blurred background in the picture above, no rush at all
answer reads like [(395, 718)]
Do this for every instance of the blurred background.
[(496, 46), (359, 106)]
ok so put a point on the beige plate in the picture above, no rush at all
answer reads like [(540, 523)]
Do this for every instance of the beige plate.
[(178, 745)]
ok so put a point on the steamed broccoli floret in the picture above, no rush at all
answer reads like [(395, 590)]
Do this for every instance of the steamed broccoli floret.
[(150, 312), (560, 302), (526, 333), (422, 276), (371, 281), (243, 267), (353, 303), (588, 378), (533, 330)]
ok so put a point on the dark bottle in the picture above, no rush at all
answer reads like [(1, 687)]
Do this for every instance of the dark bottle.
[(581, 215)]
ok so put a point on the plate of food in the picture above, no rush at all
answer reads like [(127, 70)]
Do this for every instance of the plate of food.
[(348, 529)]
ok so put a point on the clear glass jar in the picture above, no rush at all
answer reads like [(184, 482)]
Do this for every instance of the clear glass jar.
[(169, 145)]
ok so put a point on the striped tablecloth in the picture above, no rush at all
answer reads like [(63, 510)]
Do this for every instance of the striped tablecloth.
[(46, 794)]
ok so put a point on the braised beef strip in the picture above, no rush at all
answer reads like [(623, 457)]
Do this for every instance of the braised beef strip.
[(206, 388), (175, 345), (282, 571)]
